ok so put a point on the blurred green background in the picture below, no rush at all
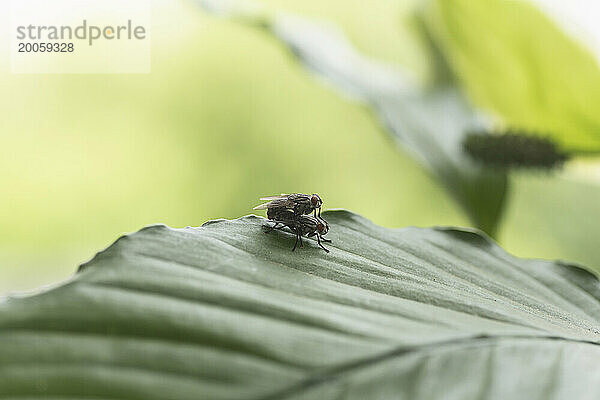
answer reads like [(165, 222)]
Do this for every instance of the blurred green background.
[(225, 117)]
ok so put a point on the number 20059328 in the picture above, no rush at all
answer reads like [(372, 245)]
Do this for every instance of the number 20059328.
[(46, 47)]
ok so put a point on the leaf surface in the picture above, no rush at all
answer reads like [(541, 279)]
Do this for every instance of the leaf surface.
[(225, 311)]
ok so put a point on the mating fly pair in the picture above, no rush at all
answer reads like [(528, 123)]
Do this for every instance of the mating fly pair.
[(290, 210)]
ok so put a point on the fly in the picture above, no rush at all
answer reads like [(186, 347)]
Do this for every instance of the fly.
[(303, 225), (299, 203)]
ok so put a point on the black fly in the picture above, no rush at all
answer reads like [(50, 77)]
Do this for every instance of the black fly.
[(299, 203), (302, 225)]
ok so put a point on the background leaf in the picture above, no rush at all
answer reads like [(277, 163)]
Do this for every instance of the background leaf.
[(516, 62), (226, 312), (430, 123)]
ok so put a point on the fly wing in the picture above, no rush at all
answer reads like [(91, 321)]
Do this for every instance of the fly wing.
[(276, 202), (281, 196)]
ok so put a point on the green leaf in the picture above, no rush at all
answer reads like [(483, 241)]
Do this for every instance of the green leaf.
[(226, 311), (429, 123), (517, 63)]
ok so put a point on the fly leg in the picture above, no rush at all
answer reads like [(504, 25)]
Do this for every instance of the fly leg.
[(320, 245), (320, 237), (272, 227), (295, 244)]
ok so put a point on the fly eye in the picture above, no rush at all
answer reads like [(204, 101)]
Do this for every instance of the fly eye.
[(323, 229), (313, 200)]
